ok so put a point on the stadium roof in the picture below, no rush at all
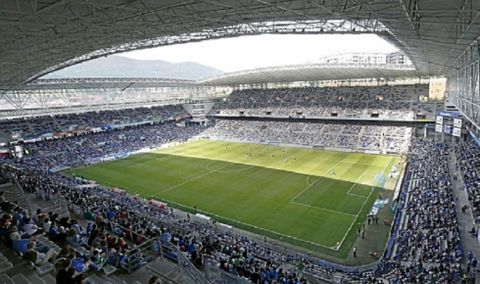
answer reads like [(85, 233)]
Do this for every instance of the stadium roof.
[(286, 73), (310, 72), (40, 36), (112, 83)]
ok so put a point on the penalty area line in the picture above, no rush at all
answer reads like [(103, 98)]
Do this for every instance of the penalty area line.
[(250, 225), (372, 189), (305, 189), (322, 209), (349, 192)]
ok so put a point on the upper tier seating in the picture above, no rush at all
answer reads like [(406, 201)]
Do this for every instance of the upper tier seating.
[(388, 102)]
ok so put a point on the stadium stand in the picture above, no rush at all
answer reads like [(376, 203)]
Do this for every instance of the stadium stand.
[(32, 128), (428, 238), (94, 147), (328, 135), (424, 247), (99, 229), (382, 102), (468, 159), (59, 228)]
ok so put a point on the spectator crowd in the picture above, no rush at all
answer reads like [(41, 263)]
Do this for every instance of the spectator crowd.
[(468, 161), (30, 127), (394, 139), (93, 147), (383, 102), (425, 237), (428, 241), (426, 249)]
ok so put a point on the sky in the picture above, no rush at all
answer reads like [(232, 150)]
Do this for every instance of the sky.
[(249, 52)]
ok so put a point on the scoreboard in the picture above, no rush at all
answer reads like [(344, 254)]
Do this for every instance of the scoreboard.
[(449, 123)]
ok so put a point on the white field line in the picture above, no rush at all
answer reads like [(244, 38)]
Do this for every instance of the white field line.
[(361, 208), (355, 183), (250, 225), (318, 177), (191, 179), (326, 209), (357, 195), (254, 162), (306, 180), (239, 222), (291, 201), (336, 164), (354, 220), (322, 209), (246, 168), (305, 189)]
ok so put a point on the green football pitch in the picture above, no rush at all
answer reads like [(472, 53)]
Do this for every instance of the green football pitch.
[(310, 198)]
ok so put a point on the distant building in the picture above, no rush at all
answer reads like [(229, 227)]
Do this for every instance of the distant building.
[(398, 58), (367, 58)]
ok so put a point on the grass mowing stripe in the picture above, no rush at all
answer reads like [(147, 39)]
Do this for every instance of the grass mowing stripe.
[(305, 189), (192, 179), (308, 161), (321, 208), (353, 185), (255, 194), (242, 224), (363, 205), (355, 220)]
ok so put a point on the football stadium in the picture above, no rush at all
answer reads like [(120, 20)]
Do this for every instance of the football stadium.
[(218, 142)]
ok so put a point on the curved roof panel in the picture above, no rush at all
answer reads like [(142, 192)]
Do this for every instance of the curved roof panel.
[(311, 72), (43, 35)]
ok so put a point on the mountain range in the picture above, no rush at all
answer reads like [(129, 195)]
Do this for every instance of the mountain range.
[(119, 66)]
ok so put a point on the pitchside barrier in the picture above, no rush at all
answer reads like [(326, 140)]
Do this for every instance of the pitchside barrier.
[(328, 266), (336, 267), (279, 144), (339, 149)]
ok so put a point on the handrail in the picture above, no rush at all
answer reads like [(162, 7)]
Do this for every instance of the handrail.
[(165, 278), (201, 278), (135, 251), (187, 266), (21, 196), (112, 223), (225, 276)]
